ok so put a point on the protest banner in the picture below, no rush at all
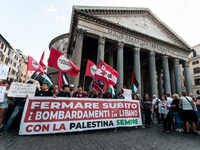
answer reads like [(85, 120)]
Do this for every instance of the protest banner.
[(2, 91), (21, 90), (3, 71), (127, 94), (43, 115)]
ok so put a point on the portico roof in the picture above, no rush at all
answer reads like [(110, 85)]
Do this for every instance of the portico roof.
[(99, 15)]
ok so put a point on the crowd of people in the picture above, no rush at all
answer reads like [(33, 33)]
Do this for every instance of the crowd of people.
[(179, 113)]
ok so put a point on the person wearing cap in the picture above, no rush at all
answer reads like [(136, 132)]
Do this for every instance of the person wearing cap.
[(19, 107), (120, 95), (71, 89), (65, 92)]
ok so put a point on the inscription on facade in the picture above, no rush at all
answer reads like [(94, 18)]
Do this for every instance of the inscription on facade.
[(143, 44)]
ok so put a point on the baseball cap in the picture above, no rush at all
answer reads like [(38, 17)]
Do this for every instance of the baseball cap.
[(71, 85)]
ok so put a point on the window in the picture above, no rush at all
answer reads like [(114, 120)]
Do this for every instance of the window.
[(14, 64), (10, 61), (194, 53), (13, 72), (195, 62), (197, 81), (196, 70), (198, 91), (63, 49), (2, 46), (6, 61), (11, 53), (5, 49), (16, 57), (9, 69)]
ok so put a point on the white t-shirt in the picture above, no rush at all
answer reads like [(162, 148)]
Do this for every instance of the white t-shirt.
[(5, 97), (185, 104), (154, 102), (169, 99)]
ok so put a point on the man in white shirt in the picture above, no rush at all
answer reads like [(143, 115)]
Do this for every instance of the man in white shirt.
[(169, 98), (155, 103)]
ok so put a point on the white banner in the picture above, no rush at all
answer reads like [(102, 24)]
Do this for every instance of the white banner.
[(21, 90), (43, 115), (2, 91), (3, 71), (127, 94)]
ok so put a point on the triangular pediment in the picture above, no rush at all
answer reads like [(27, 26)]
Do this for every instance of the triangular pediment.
[(142, 20)]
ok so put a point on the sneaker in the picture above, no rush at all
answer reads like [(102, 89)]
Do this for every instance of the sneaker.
[(178, 130), (3, 132), (136, 127), (142, 127)]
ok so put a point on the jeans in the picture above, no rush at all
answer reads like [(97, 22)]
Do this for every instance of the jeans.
[(157, 115), (14, 114), (147, 116), (177, 116)]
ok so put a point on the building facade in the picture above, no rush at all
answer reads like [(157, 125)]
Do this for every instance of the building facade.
[(10, 57), (194, 71), (129, 39)]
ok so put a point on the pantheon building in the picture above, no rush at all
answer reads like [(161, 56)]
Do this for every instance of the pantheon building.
[(127, 39)]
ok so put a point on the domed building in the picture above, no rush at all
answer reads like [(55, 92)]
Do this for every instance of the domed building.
[(60, 44)]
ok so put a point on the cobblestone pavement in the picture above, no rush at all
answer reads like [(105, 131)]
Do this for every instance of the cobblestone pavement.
[(125, 138)]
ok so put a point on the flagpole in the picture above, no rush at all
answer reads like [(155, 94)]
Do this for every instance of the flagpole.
[(84, 83)]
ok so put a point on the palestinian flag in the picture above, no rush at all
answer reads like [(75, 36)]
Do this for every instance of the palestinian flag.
[(42, 79), (62, 79), (134, 84), (111, 90)]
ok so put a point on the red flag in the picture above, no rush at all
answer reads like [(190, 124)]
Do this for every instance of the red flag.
[(90, 69), (101, 74), (60, 62), (112, 73), (33, 65), (41, 61)]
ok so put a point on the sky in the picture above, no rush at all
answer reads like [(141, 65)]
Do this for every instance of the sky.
[(31, 25)]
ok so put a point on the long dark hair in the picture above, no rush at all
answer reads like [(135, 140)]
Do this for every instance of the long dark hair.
[(164, 96), (144, 96)]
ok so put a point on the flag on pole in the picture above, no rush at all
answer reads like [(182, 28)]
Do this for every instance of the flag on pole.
[(101, 74), (60, 62), (111, 90), (41, 62), (62, 79), (111, 72), (42, 79), (134, 84), (33, 65), (90, 69), (98, 85)]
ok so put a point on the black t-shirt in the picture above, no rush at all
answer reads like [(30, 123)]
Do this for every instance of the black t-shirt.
[(44, 93), (147, 104), (177, 108), (64, 94)]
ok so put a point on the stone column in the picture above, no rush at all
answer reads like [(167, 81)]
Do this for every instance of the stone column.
[(111, 59), (77, 55), (188, 81), (160, 84), (167, 86), (101, 48), (152, 74), (172, 79), (120, 65), (137, 68), (177, 74)]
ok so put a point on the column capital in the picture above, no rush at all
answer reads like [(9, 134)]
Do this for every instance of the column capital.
[(152, 54), (120, 45), (176, 61), (186, 64), (79, 33), (165, 58), (101, 40), (136, 50)]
